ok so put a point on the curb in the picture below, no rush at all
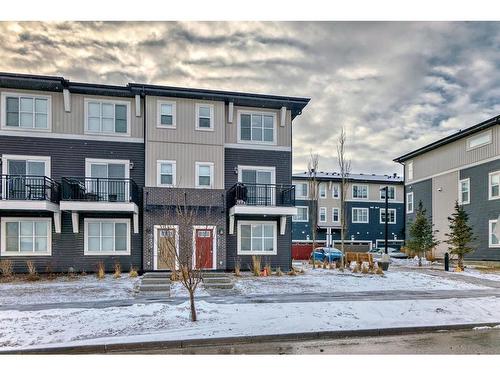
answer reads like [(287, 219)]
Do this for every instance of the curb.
[(183, 344)]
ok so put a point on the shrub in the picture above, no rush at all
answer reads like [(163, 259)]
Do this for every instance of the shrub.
[(379, 271), (101, 270), (118, 270), (32, 274), (174, 276), (6, 268), (355, 269), (292, 272), (50, 273), (237, 269), (279, 272), (268, 269), (364, 268), (256, 265), (133, 272), (430, 256)]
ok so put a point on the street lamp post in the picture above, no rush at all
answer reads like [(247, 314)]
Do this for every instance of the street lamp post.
[(386, 221)]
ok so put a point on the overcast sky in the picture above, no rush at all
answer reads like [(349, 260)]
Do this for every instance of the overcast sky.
[(393, 86)]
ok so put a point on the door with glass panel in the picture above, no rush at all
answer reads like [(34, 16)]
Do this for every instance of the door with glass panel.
[(26, 179), (260, 186), (107, 182)]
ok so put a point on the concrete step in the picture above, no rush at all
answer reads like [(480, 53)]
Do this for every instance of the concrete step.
[(155, 288), (155, 281), (157, 275), (209, 275), (219, 286), (218, 280)]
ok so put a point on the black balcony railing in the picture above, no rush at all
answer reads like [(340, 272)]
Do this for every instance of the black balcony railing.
[(29, 188), (96, 189), (261, 195)]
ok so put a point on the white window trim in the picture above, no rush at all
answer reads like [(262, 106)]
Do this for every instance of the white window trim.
[(307, 190), (338, 215), (412, 203), (88, 163), (275, 235), (380, 192), (7, 157), (490, 225), (320, 185), (265, 113), (155, 243), (319, 215), (212, 174), (86, 222), (357, 221), (460, 191), (158, 114), (380, 215), (107, 101), (307, 215), (367, 192), (257, 168), (214, 244), (3, 114), (478, 135), (410, 170), (4, 251), (158, 173), (333, 191), (197, 120), (490, 197)]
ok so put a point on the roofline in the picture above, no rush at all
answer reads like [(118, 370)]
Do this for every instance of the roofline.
[(304, 177), (451, 138)]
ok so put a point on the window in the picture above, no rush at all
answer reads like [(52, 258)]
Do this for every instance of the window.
[(322, 214), (360, 215), (410, 170), (107, 237), (302, 214), (335, 215), (478, 140), (301, 190), (20, 111), (26, 236), (391, 191), (166, 117), (360, 191), (204, 175), (392, 216), (165, 173), (257, 127), (464, 191), (204, 117), (494, 235), (107, 117), (409, 203), (494, 185), (256, 238), (335, 191), (322, 190)]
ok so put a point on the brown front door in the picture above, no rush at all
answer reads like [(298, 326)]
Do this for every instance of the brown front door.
[(166, 249), (204, 248)]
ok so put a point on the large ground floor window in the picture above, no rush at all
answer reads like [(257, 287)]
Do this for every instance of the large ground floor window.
[(257, 238), (26, 236), (107, 237)]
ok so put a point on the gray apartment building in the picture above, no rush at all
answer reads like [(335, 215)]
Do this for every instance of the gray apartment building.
[(94, 172), (463, 167)]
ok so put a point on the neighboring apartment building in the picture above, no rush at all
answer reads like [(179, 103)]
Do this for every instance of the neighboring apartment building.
[(463, 167), (365, 209), (94, 172)]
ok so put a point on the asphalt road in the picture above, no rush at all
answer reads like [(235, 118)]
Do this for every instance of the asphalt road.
[(486, 341)]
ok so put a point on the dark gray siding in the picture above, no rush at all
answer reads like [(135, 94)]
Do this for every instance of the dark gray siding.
[(422, 192), (68, 159), (481, 210), (282, 161)]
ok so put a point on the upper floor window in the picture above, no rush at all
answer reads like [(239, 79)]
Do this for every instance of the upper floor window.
[(494, 235), (165, 173), (360, 191), (391, 193), (25, 111), (494, 185), (478, 140), (410, 170), (204, 175), (464, 191), (335, 191), (392, 216), (257, 127), (107, 117), (322, 214), (204, 117), (335, 215), (302, 214), (409, 203), (322, 190), (166, 114), (301, 190), (360, 215)]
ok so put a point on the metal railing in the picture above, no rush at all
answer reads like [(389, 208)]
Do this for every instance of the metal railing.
[(261, 195), (97, 189), (31, 188)]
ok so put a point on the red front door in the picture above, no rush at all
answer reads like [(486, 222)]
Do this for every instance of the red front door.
[(204, 248)]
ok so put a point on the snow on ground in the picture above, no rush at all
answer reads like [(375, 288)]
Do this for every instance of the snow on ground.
[(480, 274), (62, 289), (178, 290), (324, 280), (19, 329)]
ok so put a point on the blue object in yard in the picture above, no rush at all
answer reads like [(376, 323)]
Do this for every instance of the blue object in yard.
[(329, 254)]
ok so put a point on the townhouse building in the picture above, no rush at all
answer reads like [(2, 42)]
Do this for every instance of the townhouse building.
[(94, 173), (463, 167), (365, 211)]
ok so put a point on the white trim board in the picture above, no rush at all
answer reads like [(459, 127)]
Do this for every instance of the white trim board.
[(252, 146), (81, 137)]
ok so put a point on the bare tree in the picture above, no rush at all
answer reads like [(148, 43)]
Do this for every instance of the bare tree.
[(177, 243), (344, 170), (312, 184)]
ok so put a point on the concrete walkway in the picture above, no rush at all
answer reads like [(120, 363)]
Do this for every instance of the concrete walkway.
[(453, 276)]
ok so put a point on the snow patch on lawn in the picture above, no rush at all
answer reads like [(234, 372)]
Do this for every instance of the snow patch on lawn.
[(20, 329)]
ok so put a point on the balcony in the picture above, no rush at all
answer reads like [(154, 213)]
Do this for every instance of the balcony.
[(261, 200), (99, 195), (31, 193)]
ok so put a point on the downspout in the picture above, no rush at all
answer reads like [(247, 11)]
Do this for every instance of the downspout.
[(143, 95)]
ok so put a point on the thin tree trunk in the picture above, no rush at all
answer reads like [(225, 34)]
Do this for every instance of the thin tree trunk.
[(193, 308), (461, 262)]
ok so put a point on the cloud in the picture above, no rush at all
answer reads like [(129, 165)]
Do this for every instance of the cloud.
[(394, 86)]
